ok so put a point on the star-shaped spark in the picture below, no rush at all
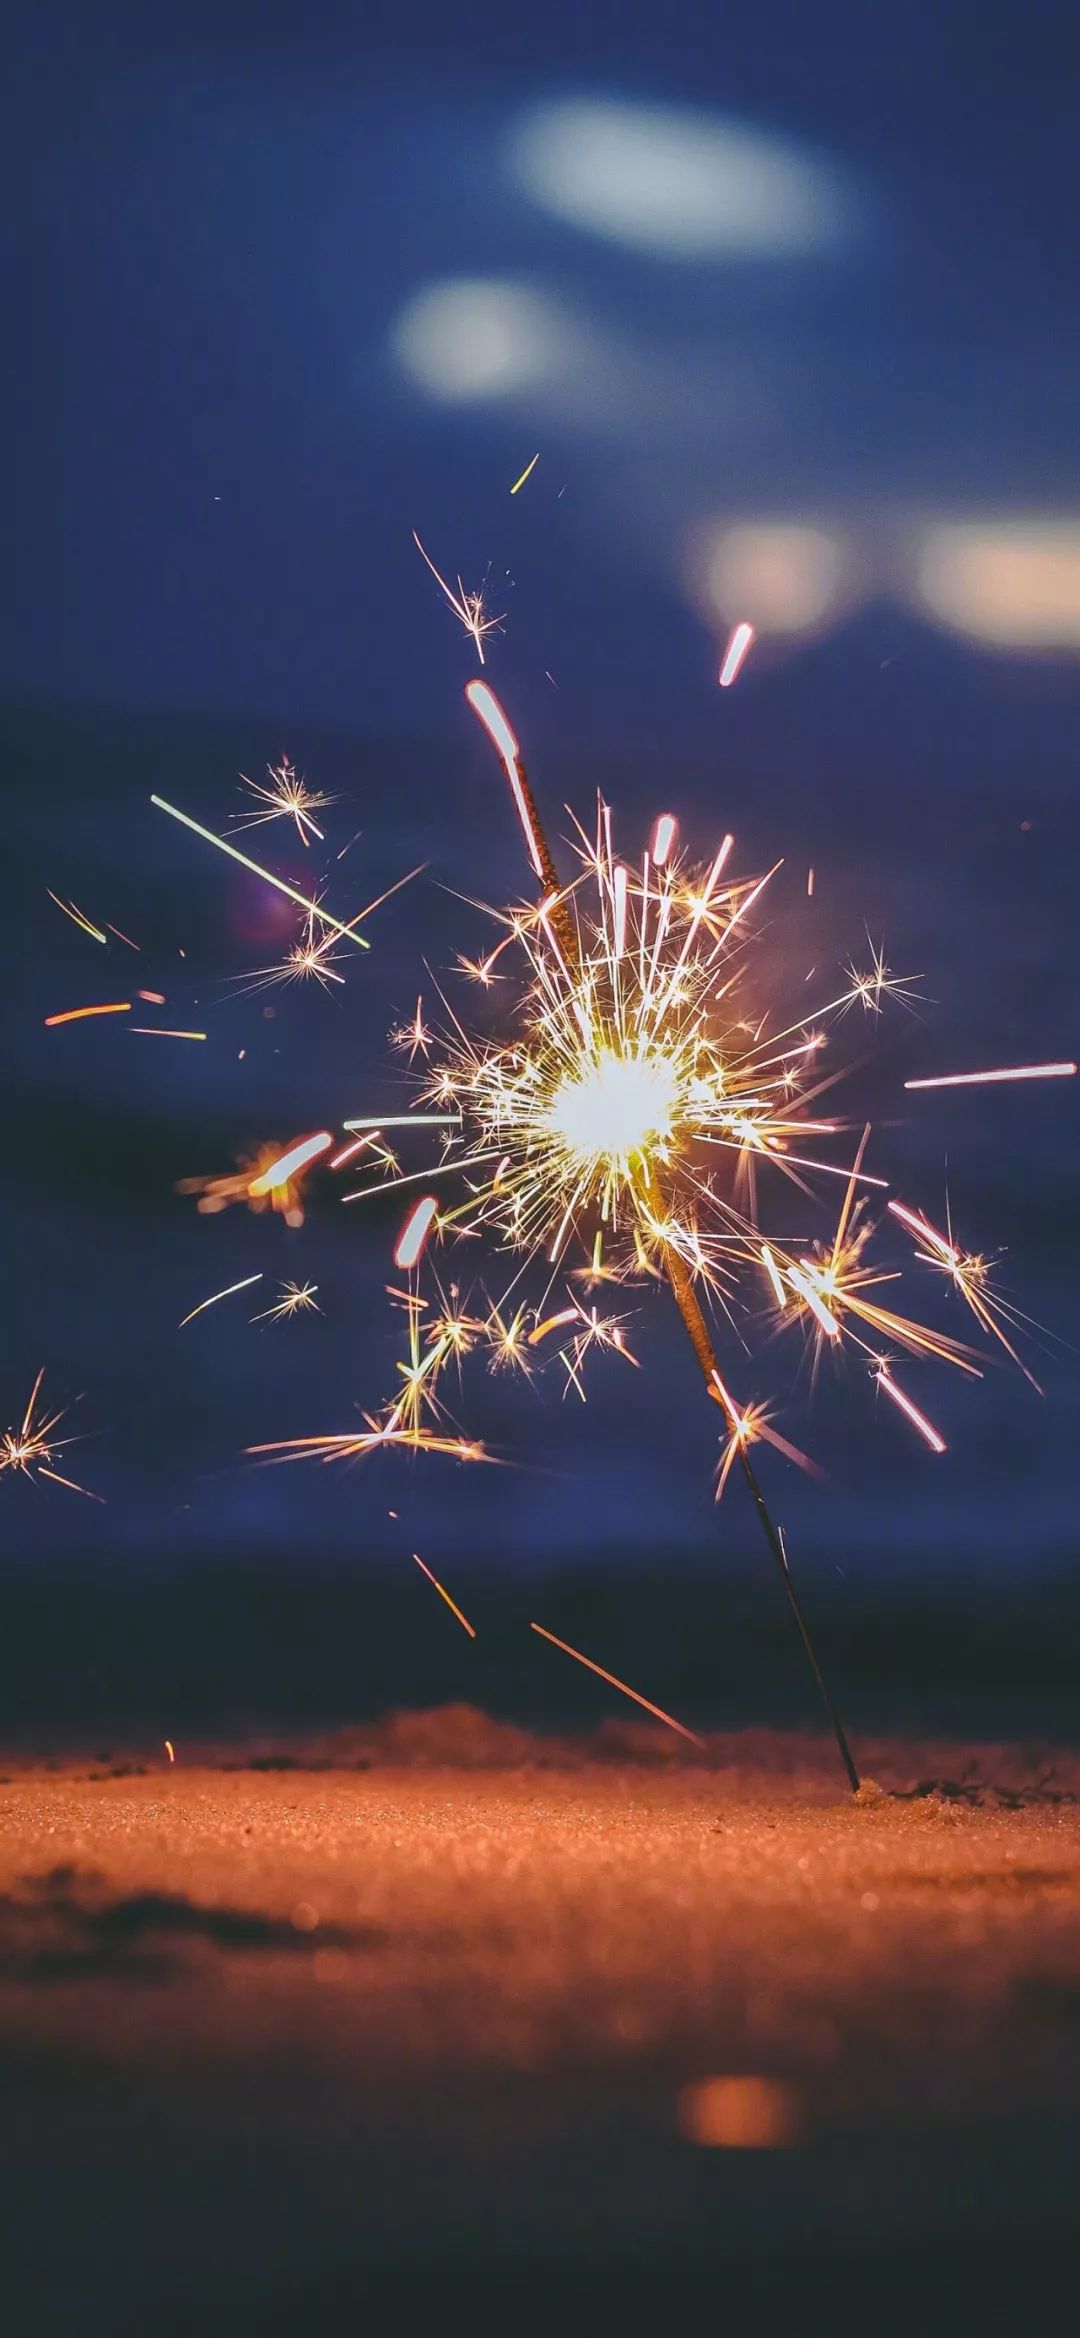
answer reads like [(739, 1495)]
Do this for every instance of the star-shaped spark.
[(32, 1447), (310, 958), (468, 607), (295, 1299), (286, 796), (871, 988)]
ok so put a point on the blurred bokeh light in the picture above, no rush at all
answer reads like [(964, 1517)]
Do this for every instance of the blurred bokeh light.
[(480, 338), (782, 577), (677, 184), (1014, 584)]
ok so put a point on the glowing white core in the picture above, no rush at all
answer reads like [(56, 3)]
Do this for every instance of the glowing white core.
[(615, 1106)]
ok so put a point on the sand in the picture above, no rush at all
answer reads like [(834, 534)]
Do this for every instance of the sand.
[(453, 2010)]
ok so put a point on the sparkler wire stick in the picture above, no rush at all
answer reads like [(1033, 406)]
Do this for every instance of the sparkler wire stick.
[(690, 1309), (678, 1272)]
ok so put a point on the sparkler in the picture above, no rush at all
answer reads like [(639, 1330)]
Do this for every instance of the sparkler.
[(618, 1127), (631, 1111)]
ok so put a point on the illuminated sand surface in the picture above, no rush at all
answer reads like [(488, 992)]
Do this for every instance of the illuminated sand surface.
[(268, 2032)]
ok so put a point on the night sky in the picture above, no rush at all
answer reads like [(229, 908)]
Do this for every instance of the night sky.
[(292, 283)]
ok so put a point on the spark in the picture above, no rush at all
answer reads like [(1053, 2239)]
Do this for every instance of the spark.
[(306, 959), (153, 998), (78, 1014), (770, 1266), (154, 1031), (286, 798), (468, 607), (376, 1121), (216, 1295), (30, 1449), (415, 1231), (526, 474), (282, 1171), (314, 908), (969, 1272), (444, 1594), (170, 1749), (870, 990), (918, 1420), (251, 1183), (1024, 1071), (78, 917), (663, 839), (296, 1299), (638, 1096), (413, 1037), (657, 1711), (349, 1152), (810, 883), (734, 655)]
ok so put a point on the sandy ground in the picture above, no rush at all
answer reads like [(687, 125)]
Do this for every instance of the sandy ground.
[(451, 2016)]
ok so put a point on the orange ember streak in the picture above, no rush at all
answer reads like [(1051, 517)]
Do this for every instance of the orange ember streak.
[(154, 1031), (657, 1711), (415, 1231), (297, 1157), (444, 1594), (810, 882), (526, 474), (77, 1014), (170, 1749), (663, 839), (154, 998), (734, 654), (918, 1420), (1023, 1071)]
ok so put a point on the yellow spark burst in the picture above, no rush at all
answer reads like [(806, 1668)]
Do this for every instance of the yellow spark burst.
[(30, 1448)]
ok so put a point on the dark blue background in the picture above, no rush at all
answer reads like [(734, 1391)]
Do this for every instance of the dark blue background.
[(215, 466)]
